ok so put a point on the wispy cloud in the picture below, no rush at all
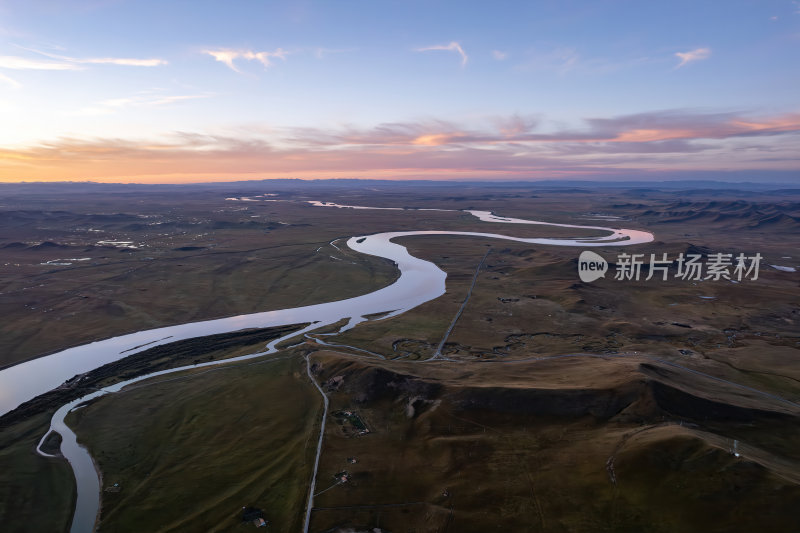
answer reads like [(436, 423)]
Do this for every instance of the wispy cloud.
[(452, 47), (228, 56), (73, 63), (515, 124), (697, 54), (128, 62), (321, 52), (560, 60), (500, 56), (61, 62), (10, 81), (22, 63), (145, 99), (564, 60)]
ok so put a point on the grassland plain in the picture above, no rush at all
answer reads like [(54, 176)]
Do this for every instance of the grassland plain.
[(71, 275), (30, 482), (36, 493), (191, 453), (529, 301)]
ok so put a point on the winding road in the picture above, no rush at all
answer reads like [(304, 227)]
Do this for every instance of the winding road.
[(326, 403)]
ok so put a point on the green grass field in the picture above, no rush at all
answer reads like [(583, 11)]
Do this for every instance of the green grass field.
[(36, 493), (190, 453)]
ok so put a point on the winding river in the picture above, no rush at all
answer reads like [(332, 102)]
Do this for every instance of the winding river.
[(419, 281)]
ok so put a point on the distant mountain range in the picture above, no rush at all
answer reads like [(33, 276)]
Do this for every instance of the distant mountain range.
[(289, 184), (746, 215)]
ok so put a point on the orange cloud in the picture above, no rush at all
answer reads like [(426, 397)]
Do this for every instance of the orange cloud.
[(653, 135), (785, 123), (731, 128), (433, 139)]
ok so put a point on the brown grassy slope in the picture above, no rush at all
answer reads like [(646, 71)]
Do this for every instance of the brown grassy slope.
[(525, 447)]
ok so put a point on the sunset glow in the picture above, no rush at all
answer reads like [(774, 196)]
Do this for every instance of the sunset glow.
[(182, 92)]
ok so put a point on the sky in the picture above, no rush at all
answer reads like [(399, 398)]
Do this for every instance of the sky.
[(187, 91)]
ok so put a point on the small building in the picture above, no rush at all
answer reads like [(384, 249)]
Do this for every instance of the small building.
[(254, 516)]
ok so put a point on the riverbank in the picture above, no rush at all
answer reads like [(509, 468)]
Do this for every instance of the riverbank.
[(162, 357)]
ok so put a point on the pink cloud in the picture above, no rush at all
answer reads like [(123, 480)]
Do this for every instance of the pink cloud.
[(692, 55)]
